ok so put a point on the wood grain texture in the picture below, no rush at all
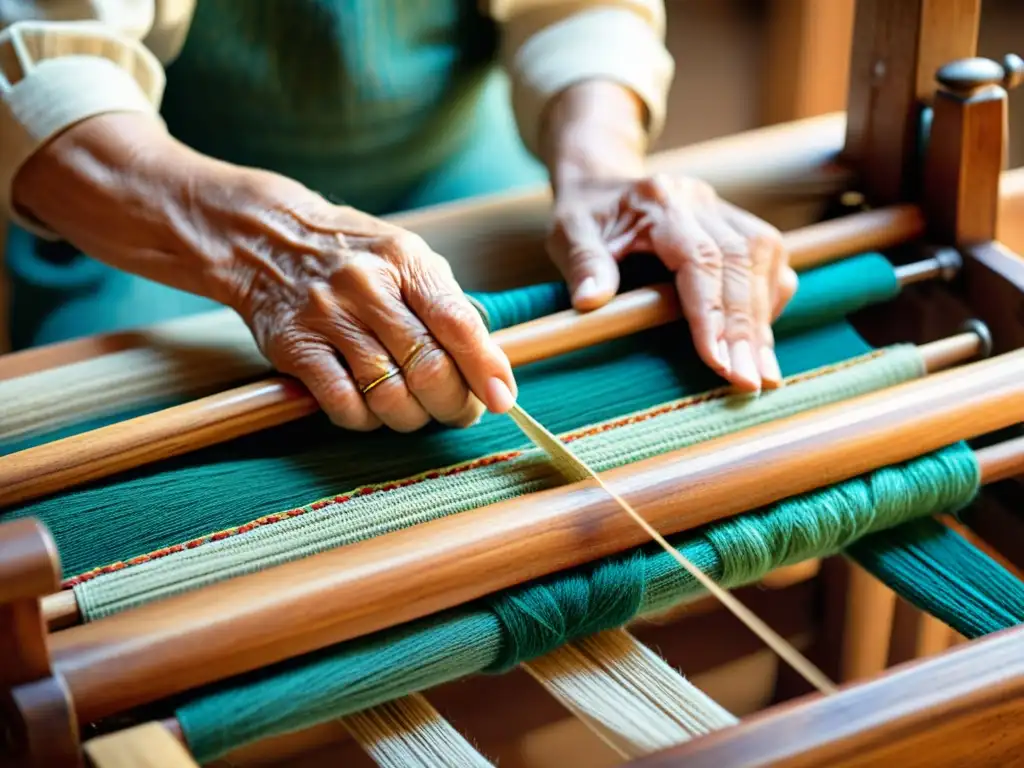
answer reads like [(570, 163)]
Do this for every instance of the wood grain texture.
[(1010, 224), (62, 464), (245, 623), (966, 154), (36, 712), (992, 281), (807, 58), (897, 47), (961, 708)]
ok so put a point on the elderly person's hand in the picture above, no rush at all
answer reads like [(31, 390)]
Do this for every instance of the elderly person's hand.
[(731, 269), (364, 313)]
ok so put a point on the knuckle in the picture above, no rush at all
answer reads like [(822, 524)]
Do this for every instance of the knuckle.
[(470, 414), (454, 319), (400, 244), (393, 406), (345, 408), (388, 397), (430, 369), (657, 186), (357, 277), (706, 255), (737, 256), (291, 349), (740, 325)]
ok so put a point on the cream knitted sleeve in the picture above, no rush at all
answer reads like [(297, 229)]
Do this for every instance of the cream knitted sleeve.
[(62, 61), (548, 45)]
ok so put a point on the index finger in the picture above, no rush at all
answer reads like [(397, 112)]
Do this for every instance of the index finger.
[(430, 290)]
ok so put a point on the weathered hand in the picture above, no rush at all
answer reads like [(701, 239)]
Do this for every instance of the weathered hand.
[(731, 269), (369, 318), (364, 313)]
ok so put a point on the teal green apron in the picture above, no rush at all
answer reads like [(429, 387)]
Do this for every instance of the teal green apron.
[(384, 105)]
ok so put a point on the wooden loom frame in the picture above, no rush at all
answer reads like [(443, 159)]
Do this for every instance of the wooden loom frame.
[(925, 33)]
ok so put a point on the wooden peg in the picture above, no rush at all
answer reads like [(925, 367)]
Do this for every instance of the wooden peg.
[(37, 720), (149, 745), (967, 149)]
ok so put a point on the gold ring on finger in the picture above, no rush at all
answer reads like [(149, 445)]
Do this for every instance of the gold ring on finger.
[(419, 350), (414, 354), (380, 380)]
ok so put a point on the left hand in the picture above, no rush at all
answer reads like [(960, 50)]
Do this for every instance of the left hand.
[(731, 268)]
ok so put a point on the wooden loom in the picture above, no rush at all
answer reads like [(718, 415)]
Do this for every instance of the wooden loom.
[(58, 676)]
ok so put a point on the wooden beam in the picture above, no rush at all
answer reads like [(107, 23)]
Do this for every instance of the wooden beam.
[(961, 708), (898, 45)]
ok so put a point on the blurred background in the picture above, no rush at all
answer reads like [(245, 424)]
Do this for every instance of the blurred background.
[(742, 64)]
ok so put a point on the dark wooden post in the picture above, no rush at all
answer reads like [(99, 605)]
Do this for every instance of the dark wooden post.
[(897, 47), (37, 721)]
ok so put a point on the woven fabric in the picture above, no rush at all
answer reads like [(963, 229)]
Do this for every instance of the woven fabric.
[(362, 513)]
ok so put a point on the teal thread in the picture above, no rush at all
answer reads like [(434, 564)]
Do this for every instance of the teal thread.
[(548, 615), (826, 294), (976, 597), (523, 622)]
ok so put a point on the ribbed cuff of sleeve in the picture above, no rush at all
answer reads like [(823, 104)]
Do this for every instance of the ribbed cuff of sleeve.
[(53, 94), (612, 44)]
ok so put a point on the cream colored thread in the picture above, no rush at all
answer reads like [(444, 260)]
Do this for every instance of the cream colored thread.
[(576, 470), (410, 733), (627, 694)]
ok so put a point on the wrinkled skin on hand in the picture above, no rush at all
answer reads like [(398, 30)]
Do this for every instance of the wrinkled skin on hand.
[(731, 269), (339, 299)]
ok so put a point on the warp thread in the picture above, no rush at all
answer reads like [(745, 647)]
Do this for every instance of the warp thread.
[(546, 616), (522, 623), (975, 595), (827, 293)]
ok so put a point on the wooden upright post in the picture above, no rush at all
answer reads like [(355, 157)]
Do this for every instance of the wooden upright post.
[(898, 45), (967, 149), (37, 720)]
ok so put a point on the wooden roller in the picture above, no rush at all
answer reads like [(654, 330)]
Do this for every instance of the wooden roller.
[(252, 621)]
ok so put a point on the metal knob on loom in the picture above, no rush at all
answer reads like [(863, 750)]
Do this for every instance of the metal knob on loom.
[(965, 77), (974, 340), (945, 264)]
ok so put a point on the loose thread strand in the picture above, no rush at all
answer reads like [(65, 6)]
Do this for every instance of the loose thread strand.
[(575, 469)]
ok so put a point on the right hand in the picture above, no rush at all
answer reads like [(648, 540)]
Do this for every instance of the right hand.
[(364, 313)]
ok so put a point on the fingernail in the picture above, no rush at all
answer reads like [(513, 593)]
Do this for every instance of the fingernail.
[(499, 398), (743, 364), (586, 290), (770, 371), (723, 355)]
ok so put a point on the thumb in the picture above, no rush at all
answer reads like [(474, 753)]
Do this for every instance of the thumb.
[(585, 261)]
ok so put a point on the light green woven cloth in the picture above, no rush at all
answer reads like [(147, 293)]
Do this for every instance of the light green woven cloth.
[(356, 515)]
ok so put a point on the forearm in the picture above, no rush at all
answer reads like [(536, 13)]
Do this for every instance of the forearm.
[(594, 131), (121, 189)]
